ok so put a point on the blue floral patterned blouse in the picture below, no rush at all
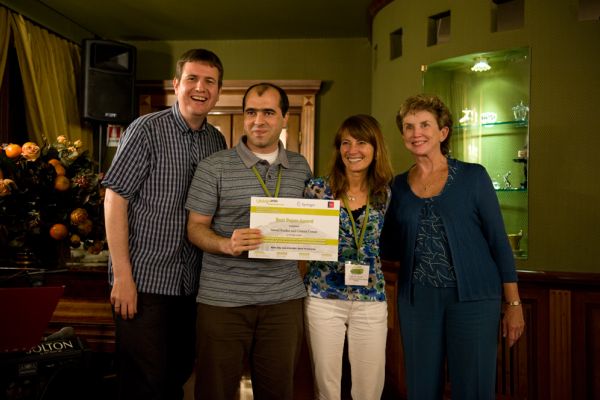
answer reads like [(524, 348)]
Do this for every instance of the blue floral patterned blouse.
[(433, 259), (325, 279)]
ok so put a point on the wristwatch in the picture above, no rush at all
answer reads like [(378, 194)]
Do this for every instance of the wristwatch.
[(513, 303)]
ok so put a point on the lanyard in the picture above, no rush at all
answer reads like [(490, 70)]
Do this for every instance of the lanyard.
[(358, 239), (264, 186)]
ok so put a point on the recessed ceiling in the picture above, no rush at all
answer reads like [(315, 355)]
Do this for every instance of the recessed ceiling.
[(131, 20)]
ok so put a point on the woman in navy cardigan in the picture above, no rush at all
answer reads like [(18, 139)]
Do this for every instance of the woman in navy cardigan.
[(445, 226)]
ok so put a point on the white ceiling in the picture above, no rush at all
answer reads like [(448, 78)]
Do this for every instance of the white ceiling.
[(131, 20)]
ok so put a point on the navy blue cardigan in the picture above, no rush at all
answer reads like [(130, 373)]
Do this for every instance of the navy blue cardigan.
[(469, 208)]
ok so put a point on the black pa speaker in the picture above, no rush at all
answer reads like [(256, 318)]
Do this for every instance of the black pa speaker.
[(108, 81)]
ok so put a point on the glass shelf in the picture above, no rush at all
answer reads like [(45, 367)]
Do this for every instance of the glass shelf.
[(511, 190), (518, 124), (520, 255), (515, 124), (502, 146)]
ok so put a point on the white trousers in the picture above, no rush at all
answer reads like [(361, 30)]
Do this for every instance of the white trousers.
[(328, 322)]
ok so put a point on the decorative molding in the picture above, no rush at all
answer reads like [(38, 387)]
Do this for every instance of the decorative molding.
[(560, 278)]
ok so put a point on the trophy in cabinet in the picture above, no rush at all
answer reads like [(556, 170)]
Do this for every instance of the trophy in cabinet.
[(520, 111), (515, 241)]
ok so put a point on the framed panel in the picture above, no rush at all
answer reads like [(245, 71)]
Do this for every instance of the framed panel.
[(223, 123)]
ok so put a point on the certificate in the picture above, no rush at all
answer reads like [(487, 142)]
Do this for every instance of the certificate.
[(296, 229)]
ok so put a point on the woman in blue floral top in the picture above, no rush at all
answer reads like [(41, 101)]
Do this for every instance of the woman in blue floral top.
[(347, 298)]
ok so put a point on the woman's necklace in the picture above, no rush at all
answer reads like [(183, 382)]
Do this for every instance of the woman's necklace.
[(433, 180), (361, 190), (427, 186), (354, 197)]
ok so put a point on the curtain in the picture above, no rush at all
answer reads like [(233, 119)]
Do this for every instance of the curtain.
[(4, 38), (50, 67)]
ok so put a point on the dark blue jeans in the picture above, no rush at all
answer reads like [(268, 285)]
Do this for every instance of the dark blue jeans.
[(155, 349), (437, 327)]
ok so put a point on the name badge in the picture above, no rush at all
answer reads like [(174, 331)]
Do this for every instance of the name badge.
[(356, 274)]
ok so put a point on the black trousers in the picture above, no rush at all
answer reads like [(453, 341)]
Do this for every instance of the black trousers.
[(155, 349), (269, 336)]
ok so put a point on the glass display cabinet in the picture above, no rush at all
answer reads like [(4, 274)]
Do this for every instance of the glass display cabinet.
[(488, 94)]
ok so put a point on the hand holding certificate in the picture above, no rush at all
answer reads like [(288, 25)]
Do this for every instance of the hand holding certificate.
[(296, 229)]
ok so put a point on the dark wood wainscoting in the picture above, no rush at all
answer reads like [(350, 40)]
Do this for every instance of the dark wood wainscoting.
[(558, 357)]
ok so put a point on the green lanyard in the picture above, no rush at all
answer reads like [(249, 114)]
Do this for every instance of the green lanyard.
[(358, 239), (264, 186)]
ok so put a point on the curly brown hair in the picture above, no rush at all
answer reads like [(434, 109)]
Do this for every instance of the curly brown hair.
[(432, 104)]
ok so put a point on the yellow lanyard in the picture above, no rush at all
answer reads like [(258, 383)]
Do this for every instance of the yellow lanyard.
[(264, 186), (358, 239)]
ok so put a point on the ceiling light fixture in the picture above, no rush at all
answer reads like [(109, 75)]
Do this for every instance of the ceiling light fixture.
[(481, 65)]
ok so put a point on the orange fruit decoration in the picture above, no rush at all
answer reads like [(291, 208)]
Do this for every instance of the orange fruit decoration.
[(85, 227), (75, 240), (60, 170), (12, 150), (62, 183), (78, 216), (58, 232), (58, 167), (96, 248)]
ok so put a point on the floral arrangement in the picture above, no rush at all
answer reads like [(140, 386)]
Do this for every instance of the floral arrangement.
[(50, 197)]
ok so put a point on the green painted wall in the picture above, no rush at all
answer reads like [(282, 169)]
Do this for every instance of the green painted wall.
[(344, 66), (564, 217)]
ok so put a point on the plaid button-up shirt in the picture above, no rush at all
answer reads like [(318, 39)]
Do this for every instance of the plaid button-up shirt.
[(152, 169)]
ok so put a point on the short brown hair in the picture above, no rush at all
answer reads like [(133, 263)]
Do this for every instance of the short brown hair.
[(199, 55), (432, 104)]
